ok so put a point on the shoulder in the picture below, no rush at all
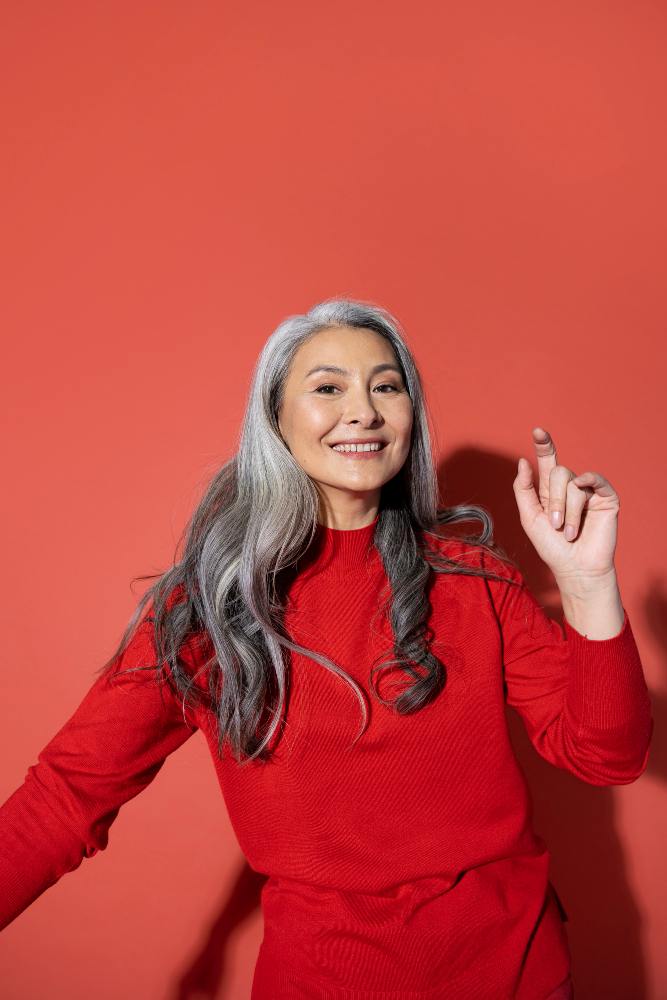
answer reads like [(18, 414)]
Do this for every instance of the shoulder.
[(480, 580), (451, 554), (144, 648), (473, 572)]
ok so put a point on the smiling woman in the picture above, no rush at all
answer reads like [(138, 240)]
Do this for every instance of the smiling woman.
[(348, 428), (317, 588)]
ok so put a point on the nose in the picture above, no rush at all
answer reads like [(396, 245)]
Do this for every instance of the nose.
[(360, 409)]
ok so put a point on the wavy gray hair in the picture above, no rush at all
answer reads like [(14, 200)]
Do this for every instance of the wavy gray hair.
[(256, 518)]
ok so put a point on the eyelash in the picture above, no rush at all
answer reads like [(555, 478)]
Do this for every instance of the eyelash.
[(328, 385)]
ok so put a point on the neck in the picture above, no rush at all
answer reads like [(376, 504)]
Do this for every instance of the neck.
[(346, 510)]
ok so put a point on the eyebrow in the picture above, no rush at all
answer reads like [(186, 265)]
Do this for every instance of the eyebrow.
[(335, 370)]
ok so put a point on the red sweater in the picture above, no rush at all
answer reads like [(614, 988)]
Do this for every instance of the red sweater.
[(402, 865)]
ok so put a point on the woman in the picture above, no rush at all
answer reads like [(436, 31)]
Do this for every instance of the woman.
[(349, 664)]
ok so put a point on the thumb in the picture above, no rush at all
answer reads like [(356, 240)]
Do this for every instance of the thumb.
[(527, 499)]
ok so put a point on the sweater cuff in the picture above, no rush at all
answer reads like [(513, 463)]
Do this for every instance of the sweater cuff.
[(607, 687)]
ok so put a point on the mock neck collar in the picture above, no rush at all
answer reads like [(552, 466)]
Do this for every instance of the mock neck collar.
[(340, 551)]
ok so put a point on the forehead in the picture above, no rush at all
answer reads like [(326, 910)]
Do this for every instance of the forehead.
[(343, 346)]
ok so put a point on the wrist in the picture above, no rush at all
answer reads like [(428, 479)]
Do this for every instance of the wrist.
[(584, 586), (594, 609)]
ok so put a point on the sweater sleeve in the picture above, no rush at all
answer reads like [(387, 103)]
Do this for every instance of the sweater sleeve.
[(584, 702), (108, 752)]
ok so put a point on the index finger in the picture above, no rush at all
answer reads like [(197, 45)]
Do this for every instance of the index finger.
[(547, 459)]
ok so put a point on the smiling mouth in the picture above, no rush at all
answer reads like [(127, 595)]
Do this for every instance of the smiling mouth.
[(365, 447)]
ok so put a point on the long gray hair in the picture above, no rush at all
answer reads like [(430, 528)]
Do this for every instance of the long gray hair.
[(257, 517)]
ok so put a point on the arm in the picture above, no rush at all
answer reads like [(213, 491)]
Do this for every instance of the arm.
[(584, 702), (108, 752)]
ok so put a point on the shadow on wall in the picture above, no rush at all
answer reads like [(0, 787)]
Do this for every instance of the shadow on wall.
[(575, 819), (655, 613), (202, 979)]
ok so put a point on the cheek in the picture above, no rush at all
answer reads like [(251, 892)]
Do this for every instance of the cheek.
[(404, 424), (307, 423)]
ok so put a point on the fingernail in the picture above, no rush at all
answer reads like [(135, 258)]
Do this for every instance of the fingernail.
[(556, 518), (569, 532)]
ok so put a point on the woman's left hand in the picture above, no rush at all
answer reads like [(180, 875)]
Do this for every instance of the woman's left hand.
[(571, 520)]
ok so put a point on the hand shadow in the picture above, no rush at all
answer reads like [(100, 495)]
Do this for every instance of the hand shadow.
[(203, 978), (575, 819)]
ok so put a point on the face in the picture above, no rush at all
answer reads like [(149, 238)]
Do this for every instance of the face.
[(346, 415)]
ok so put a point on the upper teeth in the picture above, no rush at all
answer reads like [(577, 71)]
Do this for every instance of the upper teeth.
[(374, 446)]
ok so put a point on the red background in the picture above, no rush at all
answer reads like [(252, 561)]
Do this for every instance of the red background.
[(180, 176)]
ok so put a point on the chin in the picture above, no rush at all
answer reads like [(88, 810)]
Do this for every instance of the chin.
[(360, 485)]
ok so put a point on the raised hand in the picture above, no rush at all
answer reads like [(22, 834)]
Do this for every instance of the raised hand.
[(572, 522)]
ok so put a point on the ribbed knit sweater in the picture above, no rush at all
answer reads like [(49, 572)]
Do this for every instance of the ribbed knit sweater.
[(402, 863)]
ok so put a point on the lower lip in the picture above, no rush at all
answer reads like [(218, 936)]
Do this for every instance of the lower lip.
[(360, 455)]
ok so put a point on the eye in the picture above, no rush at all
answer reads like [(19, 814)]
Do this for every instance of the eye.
[(386, 387), (327, 390)]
